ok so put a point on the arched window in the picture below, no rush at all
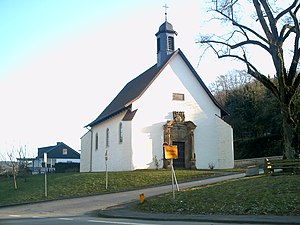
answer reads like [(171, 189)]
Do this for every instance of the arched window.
[(107, 137), (120, 133), (96, 141)]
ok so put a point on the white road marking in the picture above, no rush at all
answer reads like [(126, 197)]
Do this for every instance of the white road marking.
[(68, 219), (112, 222), (15, 215)]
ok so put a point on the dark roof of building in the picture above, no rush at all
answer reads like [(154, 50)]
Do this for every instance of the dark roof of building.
[(129, 115), (166, 27), (56, 152), (136, 87)]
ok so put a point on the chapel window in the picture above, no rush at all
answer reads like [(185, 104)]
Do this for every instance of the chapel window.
[(96, 141), (120, 133), (178, 97), (107, 137)]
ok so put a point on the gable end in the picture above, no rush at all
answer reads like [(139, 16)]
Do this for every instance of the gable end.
[(134, 89)]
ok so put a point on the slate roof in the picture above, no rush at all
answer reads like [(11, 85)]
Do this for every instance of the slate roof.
[(136, 87), (56, 152), (166, 27)]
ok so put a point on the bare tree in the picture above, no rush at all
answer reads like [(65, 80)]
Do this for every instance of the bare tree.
[(273, 28), (23, 163), (15, 166), (224, 84)]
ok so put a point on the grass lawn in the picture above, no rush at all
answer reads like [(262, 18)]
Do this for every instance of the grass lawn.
[(81, 184), (261, 195)]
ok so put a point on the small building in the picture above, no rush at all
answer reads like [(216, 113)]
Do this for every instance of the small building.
[(58, 156), (168, 103)]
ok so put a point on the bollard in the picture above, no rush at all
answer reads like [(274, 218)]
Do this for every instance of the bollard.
[(142, 198)]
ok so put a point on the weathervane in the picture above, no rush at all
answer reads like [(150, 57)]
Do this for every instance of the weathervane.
[(166, 13)]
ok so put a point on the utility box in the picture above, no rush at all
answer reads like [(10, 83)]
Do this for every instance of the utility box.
[(252, 171)]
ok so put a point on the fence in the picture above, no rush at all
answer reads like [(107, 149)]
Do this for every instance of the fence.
[(244, 163)]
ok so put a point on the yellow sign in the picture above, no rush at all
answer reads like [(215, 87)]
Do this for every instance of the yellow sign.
[(171, 152)]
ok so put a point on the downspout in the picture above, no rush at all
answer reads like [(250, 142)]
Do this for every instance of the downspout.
[(91, 155)]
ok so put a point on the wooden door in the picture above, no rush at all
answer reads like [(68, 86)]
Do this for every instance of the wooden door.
[(180, 162)]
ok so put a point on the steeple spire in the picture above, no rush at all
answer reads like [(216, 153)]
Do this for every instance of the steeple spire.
[(165, 40)]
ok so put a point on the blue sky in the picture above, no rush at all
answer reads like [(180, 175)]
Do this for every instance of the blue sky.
[(30, 24), (63, 61)]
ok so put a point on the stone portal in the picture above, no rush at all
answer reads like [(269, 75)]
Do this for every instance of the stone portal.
[(181, 133)]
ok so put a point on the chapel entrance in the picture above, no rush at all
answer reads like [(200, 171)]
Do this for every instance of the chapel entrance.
[(181, 133), (180, 162)]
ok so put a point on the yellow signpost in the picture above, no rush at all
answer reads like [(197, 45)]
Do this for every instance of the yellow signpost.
[(171, 152)]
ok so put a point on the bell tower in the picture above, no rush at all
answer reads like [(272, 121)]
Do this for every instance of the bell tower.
[(165, 40)]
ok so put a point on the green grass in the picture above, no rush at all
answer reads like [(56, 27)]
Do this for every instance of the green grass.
[(82, 184), (261, 195)]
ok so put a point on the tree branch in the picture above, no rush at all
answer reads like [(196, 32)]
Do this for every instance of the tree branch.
[(271, 19), (297, 80), (262, 78), (250, 30), (295, 61), (262, 20), (242, 27), (252, 70), (287, 10), (283, 36), (297, 8), (240, 44)]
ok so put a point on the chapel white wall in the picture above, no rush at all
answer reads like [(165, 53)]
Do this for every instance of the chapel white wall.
[(155, 107), (119, 154), (213, 137), (225, 145), (85, 155)]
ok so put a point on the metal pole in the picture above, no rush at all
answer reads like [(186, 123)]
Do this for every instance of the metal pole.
[(46, 194), (172, 178), (45, 161), (175, 178), (106, 175), (106, 169)]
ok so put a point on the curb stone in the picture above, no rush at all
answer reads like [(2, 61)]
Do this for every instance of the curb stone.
[(127, 211)]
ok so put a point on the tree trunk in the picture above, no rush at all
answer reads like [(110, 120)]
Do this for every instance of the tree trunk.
[(15, 177), (289, 132)]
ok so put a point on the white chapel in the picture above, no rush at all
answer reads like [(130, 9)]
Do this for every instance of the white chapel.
[(168, 103)]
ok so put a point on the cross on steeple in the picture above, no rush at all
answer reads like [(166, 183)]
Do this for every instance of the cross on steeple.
[(166, 11)]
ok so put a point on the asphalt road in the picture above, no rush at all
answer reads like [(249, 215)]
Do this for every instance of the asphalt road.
[(101, 221), (83, 220)]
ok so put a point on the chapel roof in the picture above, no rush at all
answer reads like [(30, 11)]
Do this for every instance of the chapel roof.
[(136, 87)]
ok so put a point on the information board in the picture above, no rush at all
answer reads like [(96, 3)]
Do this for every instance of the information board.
[(171, 152)]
